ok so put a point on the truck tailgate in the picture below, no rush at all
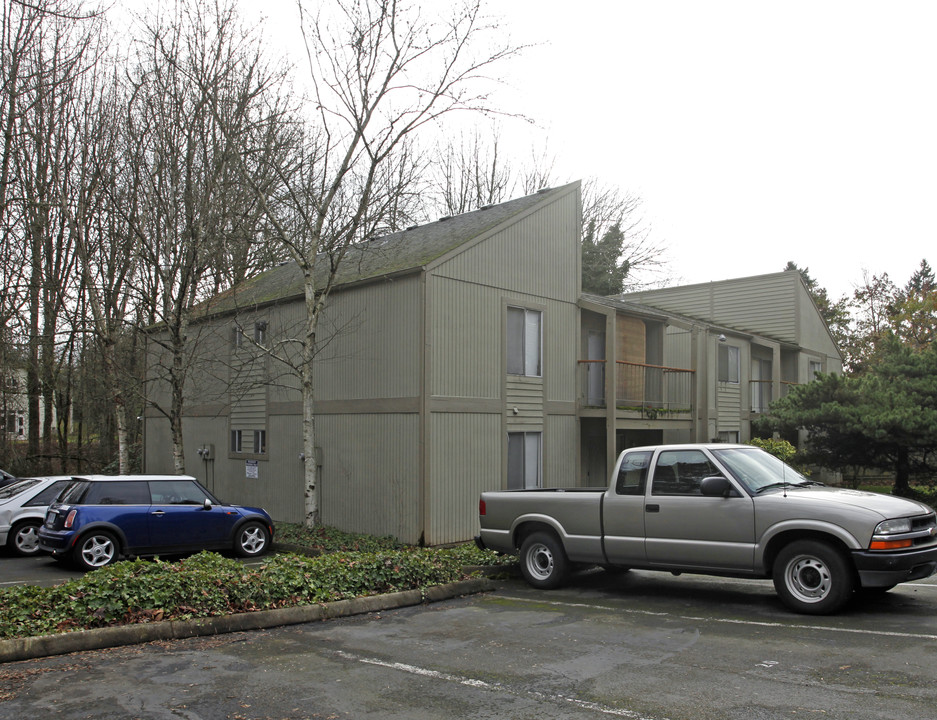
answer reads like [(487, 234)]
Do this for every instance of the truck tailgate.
[(575, 514)]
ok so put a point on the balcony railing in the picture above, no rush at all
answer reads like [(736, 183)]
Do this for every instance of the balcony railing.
[(763, 393), (654, 391)]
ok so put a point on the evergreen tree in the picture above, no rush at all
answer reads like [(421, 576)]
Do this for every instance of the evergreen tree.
[(913, 315), (603, 270), (883, 419)]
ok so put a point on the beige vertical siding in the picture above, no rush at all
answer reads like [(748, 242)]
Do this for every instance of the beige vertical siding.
[(560, 440), (285, 468), (463, 339), (375, 340), (464, 460), (222, 475), (766, 304), (278, 487), (538, 255), (678, 348), (814, 334), (157, 450), (370, 473), (371, 342), (560, 354)]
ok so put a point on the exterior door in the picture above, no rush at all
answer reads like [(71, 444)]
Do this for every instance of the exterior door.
[(623, 510), (688, 529), (595, 371)]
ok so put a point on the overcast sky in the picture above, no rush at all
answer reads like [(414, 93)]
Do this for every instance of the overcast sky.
[(755, 132)]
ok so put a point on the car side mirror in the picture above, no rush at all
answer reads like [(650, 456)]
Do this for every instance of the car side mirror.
[(206, 505), (717, 487)]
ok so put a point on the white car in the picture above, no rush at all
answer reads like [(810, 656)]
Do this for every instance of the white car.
[(6, 478), (23, 508)]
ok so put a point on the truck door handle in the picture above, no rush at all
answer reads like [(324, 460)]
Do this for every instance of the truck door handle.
[(652, 508)]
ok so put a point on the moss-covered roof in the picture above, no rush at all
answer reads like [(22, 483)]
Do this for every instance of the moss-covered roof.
[(406, 251)]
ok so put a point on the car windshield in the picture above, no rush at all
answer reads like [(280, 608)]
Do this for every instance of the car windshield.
[(16, 488), (758, 470)]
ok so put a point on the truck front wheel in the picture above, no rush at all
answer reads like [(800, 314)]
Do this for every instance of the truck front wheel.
[(812, 577), (543, 561)]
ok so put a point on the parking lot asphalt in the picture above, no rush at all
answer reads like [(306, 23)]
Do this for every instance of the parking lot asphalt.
[(642, 645)]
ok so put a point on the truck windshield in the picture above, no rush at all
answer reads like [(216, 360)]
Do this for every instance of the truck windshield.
[(758, 470)]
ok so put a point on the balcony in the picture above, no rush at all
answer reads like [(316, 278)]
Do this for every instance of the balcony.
[(763, 393), (652, 392)]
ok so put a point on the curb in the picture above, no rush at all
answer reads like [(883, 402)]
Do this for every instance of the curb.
[(44, 645)]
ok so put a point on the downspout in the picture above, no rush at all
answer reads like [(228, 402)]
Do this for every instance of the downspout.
[(611, 386), (424, 462)]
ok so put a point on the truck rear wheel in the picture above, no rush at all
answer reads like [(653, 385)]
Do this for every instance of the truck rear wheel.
[(543, 561), (812, 577)]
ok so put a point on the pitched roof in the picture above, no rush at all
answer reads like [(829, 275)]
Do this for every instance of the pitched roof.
[(774, 305), (401, 252)]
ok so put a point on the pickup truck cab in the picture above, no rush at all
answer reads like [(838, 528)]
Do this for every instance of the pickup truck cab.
[(717, 509)]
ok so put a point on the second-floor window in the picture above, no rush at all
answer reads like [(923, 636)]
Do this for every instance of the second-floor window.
[(728, 364), (260, 332), (524, 342), (814, 367)]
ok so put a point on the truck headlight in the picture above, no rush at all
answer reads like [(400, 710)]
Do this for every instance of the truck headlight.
[(893, 527)]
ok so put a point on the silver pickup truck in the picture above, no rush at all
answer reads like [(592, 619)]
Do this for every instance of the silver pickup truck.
[(731, 510)]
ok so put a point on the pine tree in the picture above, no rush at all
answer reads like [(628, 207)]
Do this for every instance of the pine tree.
[(603, 270)]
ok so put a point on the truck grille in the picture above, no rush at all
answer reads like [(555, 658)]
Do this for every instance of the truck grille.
[(925, 524)]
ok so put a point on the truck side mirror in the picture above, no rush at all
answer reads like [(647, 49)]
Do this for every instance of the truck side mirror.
[(717, 487)]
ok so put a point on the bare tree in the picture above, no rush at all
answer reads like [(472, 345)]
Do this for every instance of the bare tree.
[(98, 199), (198, 102), (381, 73), (639, 258), (472, 173), (40, 87), (618, 248)]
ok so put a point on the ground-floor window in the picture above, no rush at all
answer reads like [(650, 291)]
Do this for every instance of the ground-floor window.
[(256, 438), (524, 460)]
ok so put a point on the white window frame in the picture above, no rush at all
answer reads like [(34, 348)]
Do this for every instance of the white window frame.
[(529, 462), (237, 441), (260, 442), (525, 341)]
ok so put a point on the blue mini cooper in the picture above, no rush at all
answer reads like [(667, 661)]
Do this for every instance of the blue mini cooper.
[(97, 519)]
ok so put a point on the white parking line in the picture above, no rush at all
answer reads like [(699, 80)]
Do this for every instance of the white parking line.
[(494, 687), (726, 621)]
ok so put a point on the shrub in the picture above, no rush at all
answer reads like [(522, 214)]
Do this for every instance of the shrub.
[(781, 449), (328, 539), (209, 584)]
